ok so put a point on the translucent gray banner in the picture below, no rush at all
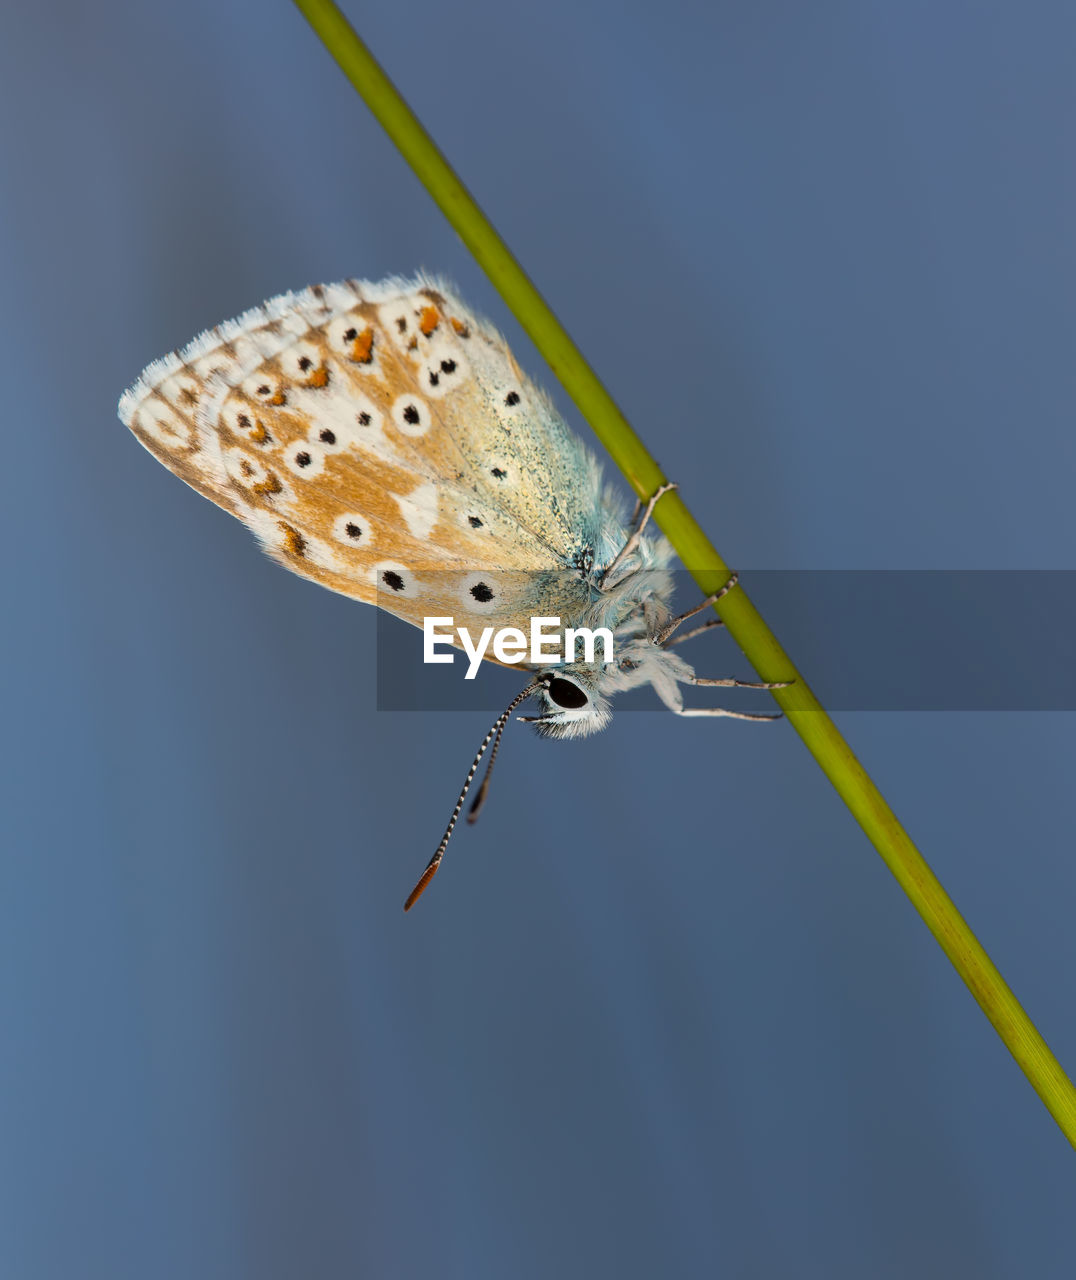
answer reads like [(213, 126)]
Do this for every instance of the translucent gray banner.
[(871, 640)]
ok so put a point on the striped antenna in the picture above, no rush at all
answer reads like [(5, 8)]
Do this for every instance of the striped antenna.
[(495, 732)]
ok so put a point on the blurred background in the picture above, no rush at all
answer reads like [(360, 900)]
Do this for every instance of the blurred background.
[(664, 1011)]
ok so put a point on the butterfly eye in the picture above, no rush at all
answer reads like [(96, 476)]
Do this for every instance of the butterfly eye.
[(566, 694)]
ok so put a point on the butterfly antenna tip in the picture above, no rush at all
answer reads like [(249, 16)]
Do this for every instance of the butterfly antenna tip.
[(493, 736)]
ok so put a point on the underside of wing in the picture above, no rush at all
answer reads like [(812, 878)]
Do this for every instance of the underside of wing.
[(381, 440)]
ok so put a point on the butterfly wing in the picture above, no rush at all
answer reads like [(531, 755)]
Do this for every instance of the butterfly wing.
[(381, 440)]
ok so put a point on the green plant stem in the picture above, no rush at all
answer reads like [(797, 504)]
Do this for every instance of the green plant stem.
[(741, 618)]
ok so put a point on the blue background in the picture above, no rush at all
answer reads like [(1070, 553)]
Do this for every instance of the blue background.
[(664, 1012)]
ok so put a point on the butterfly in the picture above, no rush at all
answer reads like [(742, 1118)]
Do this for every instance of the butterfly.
[(380, 439)]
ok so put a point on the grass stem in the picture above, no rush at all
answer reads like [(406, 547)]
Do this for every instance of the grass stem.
[(744, 623)]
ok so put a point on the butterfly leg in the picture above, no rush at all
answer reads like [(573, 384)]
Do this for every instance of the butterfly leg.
[(729, 682), (721, 711), (637, 532), (695, 631), (666, 631)]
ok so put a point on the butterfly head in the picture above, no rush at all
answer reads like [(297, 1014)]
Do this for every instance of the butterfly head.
[(572, 705), (575, 698)]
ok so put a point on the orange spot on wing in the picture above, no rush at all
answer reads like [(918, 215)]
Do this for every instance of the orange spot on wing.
[(460, 328), (320, 377), (268, 487), (278, 398), (363, 349), (294, 542), (429, 320), (258, 433)]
